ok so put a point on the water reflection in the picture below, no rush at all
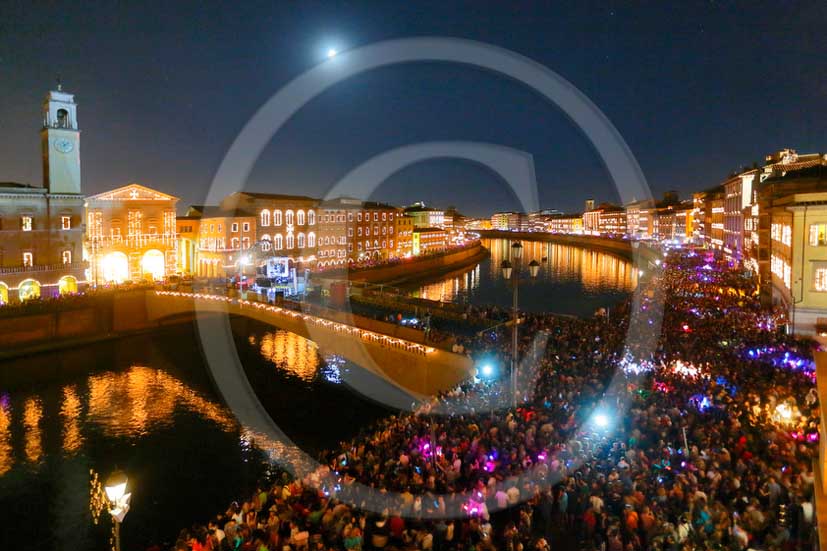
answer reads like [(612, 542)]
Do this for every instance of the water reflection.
[(70, 411), (32, 415), (291, 353), (6, 459), (593, 272)]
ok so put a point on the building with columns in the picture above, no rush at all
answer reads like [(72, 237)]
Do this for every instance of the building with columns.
[(131, 235), (41, 227)]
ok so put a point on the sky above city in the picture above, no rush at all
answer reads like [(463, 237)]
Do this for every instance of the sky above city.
[(696, 90)]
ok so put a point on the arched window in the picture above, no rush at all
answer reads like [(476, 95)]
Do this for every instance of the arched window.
[(234, 243), (277, 242), (311, 238), (277, 218), (300, 218), (311, 218), (265, 217), (300, 240), (290, 243), (288, 217)]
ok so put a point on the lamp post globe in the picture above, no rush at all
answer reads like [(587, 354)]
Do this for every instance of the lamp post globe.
[(115, 486), (506, 268), (533, 268), (516, 250)]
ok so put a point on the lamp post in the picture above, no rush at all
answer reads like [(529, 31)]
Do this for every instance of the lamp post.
[(115, 488), (512, 271)]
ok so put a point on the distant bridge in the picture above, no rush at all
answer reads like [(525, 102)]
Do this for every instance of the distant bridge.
[(414, 367)]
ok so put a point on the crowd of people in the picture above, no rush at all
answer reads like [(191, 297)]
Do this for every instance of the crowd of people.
[(700, 435)]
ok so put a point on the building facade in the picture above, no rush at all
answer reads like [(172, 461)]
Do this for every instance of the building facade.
[(426, 217), (404, 235), (131, 235), (429, 241), (41, 228), (567, 223), (286, 225)]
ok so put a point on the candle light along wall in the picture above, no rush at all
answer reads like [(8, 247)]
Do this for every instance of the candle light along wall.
[(365, 335)]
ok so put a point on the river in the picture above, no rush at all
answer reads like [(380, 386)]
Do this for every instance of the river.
[(572, 280)]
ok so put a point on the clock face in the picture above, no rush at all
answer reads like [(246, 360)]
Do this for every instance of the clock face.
[(63, 145)]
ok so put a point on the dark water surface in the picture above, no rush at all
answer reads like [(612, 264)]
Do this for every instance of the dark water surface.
[(146, 405), (572, 280)]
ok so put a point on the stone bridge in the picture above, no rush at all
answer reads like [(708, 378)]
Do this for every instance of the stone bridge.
[(416, 368)]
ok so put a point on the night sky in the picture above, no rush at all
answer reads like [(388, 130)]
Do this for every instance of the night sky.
[(696, 90)]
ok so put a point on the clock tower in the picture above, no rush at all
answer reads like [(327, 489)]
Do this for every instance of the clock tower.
[(60, 143)]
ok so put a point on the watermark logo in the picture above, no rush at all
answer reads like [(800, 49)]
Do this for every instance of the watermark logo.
[(517, 170)]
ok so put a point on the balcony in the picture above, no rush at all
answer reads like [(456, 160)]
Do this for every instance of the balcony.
[(70, 267)]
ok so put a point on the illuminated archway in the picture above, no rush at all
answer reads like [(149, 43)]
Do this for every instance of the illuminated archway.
[(152, 264), (67, 285), (114, 267), (4, 294), (28, 289)]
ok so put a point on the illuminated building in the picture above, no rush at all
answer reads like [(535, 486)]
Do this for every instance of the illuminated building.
[(131, 235), (223, 241), (540, 221), (404, 235), (588, 205), (285, 224), (737, 199), (708, 216), (429, 241), (187, 227), (41, 228), (426, 217), (640, 218), (499, 221), (351, 230), (518, 221), (567, 223), (605, 220), (791, 206)]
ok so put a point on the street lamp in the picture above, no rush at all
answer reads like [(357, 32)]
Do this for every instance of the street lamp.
[(512, 272), (115, 488)]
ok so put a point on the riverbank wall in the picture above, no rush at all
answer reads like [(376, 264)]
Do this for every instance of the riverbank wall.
[(415, 269), (619, 247)]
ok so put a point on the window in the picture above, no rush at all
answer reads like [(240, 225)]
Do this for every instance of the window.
[(288, 219), (277, 218), (277, 242), (350, 232), (265, 218), (300, 240), (212, 228), (265, 242), (350, 217), (219, 228), (359, 245), (66, 222), (221, 243), (28, 260), (311, 218), (311, 239), (290, 241), (375, 216), (300, 218), (234, 243), (391, 243), (818, 235), (359, 231), (384, 216), (245, 242), (820, 278), (26, 223), (246, 226), (359, 217), (234, 227)]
